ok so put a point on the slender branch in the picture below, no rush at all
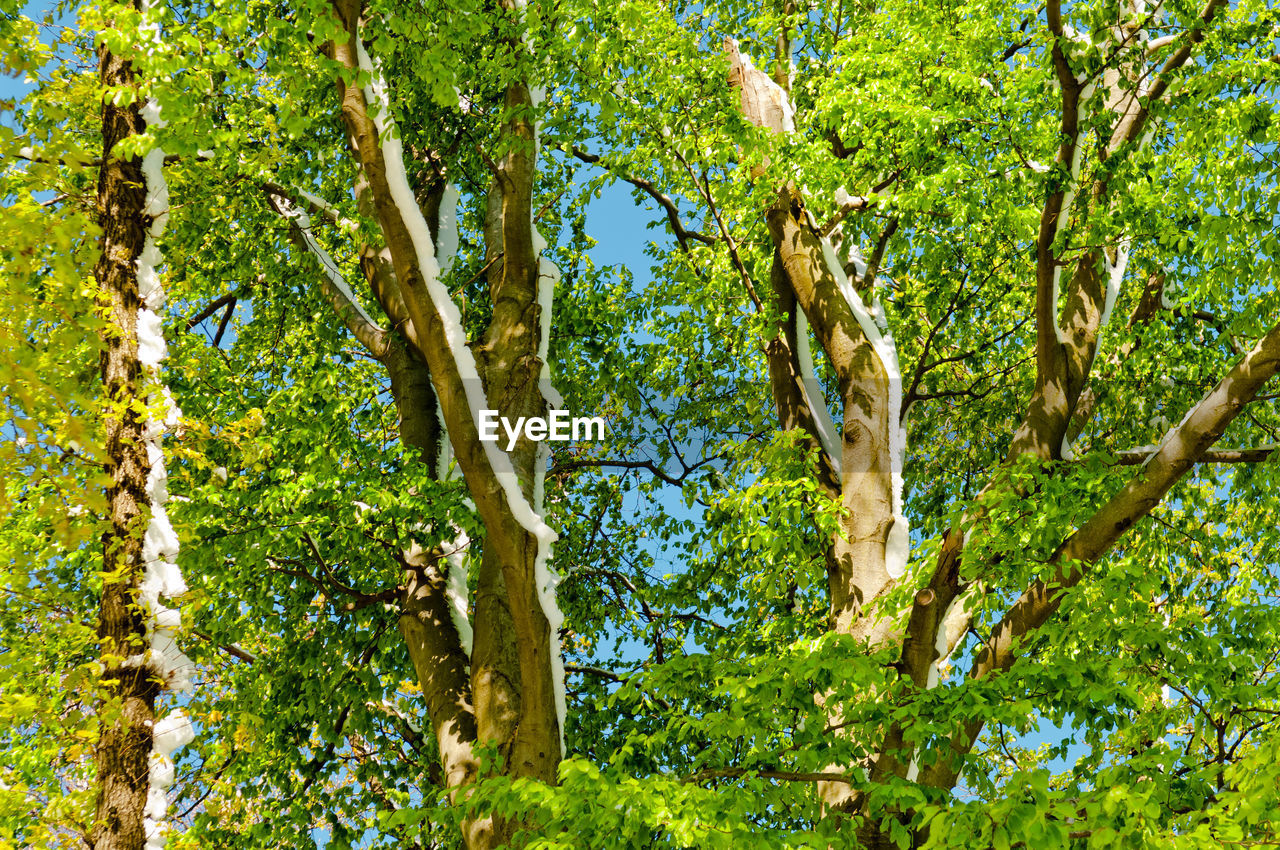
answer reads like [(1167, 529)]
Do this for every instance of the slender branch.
[(408, 728), (1259, 454), (229, 648), (915, 394), (210, 784), (214, 306), (657, 471), (682, 234), (609, 676), (783, 775), (734, 257), (362, 598), (877, 255), (312, 768), (222, 300), (910, 395), (225, 322), (339, 295)]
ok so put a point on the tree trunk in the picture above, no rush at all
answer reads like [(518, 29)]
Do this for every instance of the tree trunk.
[(127, 710), (510, 701)]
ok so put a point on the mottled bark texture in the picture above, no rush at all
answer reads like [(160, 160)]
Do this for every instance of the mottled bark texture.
[(127, 708), (503, 695), (857, 573)]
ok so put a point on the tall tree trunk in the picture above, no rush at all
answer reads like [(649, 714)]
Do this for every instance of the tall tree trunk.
[(127, 711), (510, 702)]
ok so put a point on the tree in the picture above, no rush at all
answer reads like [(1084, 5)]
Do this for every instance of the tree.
[(986, 608)]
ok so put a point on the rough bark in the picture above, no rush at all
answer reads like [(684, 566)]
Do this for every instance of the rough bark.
[(127, 709), (426, 621), (510, 369)]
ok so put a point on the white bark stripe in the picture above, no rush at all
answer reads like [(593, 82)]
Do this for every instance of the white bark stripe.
[(161, 576), (813, 395)]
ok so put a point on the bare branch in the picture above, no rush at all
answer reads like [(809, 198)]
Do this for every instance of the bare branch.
[(214, 306), (1259, 454), (782, 775), (223, 300), (682, 234), (225, 322)]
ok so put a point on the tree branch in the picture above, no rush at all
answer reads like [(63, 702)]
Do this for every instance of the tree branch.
[(361, 598), (610, 676), (1181, 449), (1258, 454), (225, 322), (783, 775), (335, 290), (1131, 127), (223, 300), (658, 472), (313, 204), (231, 649), (682, 234), (877, 255)]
